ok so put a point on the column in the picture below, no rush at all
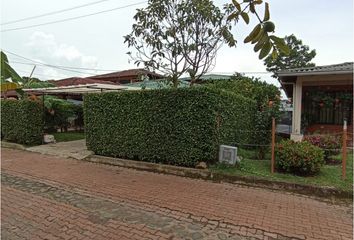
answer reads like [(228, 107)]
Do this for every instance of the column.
[(297, 98)]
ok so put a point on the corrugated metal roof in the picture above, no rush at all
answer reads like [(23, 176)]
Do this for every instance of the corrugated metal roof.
[(156, 84), (341, 68), (210, 77)]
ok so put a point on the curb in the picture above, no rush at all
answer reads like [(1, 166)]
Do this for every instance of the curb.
[(12, 145), (303, 189)]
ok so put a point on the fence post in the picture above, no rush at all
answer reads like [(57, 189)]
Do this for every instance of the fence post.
[(273, 145), (344, 150)]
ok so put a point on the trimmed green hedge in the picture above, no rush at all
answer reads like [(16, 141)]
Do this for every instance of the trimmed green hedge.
[(21, 121), (171, 126)]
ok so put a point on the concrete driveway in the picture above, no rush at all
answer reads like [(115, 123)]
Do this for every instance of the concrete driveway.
[(72, 149)]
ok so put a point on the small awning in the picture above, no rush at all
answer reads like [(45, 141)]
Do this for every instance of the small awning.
[(81, 89)]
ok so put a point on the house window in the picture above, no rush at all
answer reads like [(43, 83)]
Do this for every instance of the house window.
[(327, 107)]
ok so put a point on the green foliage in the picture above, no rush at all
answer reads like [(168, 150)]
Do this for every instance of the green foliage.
[(260, 35), (299, 56), (172, 126), (267, 97), (35, 83), (22, 121), (7, 72), (177, 37), (57, 112), (301, 158), (330, 144), (329, 176)]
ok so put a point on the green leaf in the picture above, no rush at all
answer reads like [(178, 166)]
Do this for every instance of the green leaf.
[(255, 31), (277, 39), (233, 16), (259, 36), (261, 42), (258, 46), (274, 54), (247, 39), (280, 44), (284, 48), (265, 50), (266, 12), (237, 5), (252, 8), (245, 17)]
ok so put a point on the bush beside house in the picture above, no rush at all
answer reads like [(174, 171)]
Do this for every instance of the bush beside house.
[(267, 98), (331, 145), (171, 126), (301, 158), (22, 121)]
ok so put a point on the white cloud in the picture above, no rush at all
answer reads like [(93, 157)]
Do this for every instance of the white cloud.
[(46, 49)]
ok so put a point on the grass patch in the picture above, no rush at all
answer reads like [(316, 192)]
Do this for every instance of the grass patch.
[(330, 175), (68, 136)]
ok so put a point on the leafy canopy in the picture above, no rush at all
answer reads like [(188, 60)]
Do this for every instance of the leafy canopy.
[(261, 36), (178, 36), (7, 72), (300, 55)]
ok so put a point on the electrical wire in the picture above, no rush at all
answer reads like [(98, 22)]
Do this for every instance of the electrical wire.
[(80, 68), (54, 12), (40, 74), (43, 64), (73, 18), (94, 69)]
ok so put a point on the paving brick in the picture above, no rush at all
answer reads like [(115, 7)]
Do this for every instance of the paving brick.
[(56, 198)]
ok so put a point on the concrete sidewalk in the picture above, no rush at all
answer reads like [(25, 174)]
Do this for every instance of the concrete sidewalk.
[(73, 149)]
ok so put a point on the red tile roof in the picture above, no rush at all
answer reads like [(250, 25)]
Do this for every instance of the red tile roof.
[(130, 72), (78, 81)]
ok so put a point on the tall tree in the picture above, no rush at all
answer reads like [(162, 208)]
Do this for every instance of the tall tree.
[(178, 36), (183, 36), (300, 56)]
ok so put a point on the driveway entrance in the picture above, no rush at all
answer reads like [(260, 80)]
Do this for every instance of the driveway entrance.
[(73, 149)]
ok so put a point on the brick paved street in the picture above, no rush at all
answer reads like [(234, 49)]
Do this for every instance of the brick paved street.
[(44, 197)]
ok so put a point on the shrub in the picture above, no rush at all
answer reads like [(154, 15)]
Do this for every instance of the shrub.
[(57, 113), (267, 97), (172, 126), (22, 121), (330, 144), (300, 158)]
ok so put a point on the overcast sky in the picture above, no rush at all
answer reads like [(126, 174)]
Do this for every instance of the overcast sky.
[(97, 41)]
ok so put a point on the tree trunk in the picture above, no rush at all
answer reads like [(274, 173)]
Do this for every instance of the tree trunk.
[(175, 81)]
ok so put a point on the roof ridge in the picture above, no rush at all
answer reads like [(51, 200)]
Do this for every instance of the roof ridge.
[(321, 66)]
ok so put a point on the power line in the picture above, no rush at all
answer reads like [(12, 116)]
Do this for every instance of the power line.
[(43, 64), (73, 18), (54, 12), (80, 68), (114, 70), (40, 74), (73, 69)]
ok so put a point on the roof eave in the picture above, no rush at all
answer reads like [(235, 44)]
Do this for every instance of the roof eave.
[(293, 74)]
